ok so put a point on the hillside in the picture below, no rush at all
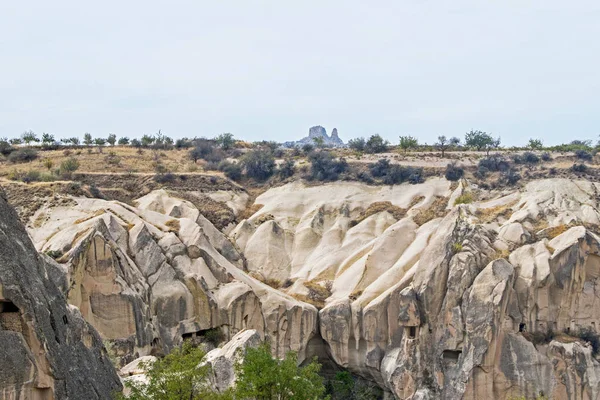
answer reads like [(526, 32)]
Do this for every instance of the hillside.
[(436, 289)]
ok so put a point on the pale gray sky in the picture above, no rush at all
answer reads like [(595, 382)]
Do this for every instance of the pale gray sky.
[(271, 69)]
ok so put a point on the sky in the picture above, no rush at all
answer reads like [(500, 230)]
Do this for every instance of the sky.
[(272, 69)]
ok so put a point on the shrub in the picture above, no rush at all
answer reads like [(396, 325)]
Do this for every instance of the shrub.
[(308, 148), (5, 147), (259, 164), (510, 177), (22, 155), (454, 172), (579, 168), (376, 144), (31, 176), (233, 171), (166, 177), (583, 155), (262, 376), (464, 198), (287, 168), (591, 337), (214, 336), (54, 254), (69, 166), (357, 144), (546, 156), (530, 158), (380, 168), (494, 163), (324, 167), (179, 375)]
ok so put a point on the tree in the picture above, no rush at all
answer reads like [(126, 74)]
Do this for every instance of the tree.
[(262, 377), (225, 140), (178, 376), (74, 141), (112, 139), (147, 140), (87, 139), (319, 142), (494, 144), (259, 164), (136, 143), (442, 144), (376, 144), (99, 142), (47, 138), (29, 136), (408, 142), (357, 144), (535, 144), (16, 141), (124, 141), (454, 141), (478, 139)]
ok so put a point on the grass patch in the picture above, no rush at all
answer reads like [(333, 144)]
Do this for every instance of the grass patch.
[(173, 225), (377, 207), (437, 209), (465, 198), (456, 247), (487, 215), (355, 295), (250, 211)]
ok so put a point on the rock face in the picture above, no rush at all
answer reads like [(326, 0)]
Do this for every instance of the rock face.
[(222, 360), (149, 276), (431, 308), (495, 299), (48, 351), (319, 132)]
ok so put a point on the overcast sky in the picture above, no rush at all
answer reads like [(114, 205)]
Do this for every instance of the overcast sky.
[(271, 69)]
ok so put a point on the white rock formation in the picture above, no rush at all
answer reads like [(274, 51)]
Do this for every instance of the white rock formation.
[(494, 299)]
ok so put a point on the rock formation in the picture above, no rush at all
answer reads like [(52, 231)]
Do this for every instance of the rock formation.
[(494, 299), (148, 276), (318, 132), (47, 350)]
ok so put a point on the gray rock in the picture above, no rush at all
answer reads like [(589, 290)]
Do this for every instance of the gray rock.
[(48, 350)]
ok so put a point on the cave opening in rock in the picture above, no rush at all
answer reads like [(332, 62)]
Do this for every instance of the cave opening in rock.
[(451, 355), (411, 332), (8, 307), (522, 327)]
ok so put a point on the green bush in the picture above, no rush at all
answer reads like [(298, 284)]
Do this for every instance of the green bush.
[(324, 166), (69, 166), (261, 376), (287, 168), (454, 172), (22, 155), (259, 164)]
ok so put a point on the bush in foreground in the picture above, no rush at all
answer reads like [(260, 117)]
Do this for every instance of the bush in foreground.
[(180, 376)]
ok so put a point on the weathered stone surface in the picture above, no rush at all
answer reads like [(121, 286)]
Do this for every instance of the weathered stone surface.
[(146, 279), (47, 350), (222, 360)]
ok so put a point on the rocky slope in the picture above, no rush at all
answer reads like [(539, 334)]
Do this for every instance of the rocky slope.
[(47, 350), (428, 298)]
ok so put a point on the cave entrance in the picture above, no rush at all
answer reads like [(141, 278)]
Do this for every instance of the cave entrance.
[(411, 332), (8, 307), (10, 317), (451, 355)]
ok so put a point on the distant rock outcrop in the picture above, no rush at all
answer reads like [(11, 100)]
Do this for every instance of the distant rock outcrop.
[(319, 132), (47, 350)]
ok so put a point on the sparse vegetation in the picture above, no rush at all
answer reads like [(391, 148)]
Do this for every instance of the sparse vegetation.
[(465, 198)]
